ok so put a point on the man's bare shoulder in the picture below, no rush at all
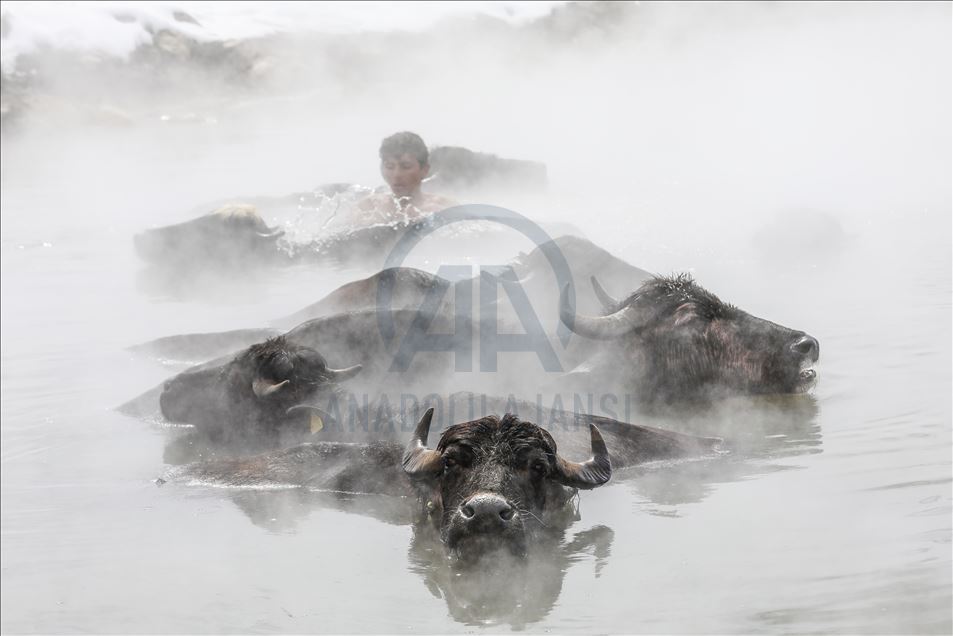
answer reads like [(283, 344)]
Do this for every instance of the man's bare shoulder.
[(374, 201)]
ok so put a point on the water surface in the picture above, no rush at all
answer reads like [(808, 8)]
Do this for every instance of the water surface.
[(831, 513)]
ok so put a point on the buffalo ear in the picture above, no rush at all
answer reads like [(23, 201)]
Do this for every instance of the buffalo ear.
[(420, 462)]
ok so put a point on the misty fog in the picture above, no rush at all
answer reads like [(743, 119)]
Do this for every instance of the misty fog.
[(795, 158)]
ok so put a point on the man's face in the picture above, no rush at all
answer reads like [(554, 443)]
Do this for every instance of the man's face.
[(403, 174)]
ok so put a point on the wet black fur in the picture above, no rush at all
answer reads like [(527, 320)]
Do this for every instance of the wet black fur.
[(691, 346), (222, 402), (506, 457)]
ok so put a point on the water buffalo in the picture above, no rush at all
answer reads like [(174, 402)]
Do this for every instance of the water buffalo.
[(237, 236), (680, 343), (491, 482), (489, 485), (462, 171), (277, 385), (674, 341), (409, 288), (229, 237), (251, 394)]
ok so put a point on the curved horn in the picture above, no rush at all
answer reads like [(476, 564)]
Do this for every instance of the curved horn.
[(264, 388), (309, 408), (340, 375), (608, 302), (420, 462), (601, 327), (318, 417), (593, 472)]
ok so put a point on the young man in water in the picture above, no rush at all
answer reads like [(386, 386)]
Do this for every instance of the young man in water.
[(405, 163)]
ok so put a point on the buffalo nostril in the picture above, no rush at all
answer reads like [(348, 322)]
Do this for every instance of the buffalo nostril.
[(486, 507), (807, 346)]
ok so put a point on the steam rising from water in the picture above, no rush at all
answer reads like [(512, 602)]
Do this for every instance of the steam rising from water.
[(670, 121), (795, 157)]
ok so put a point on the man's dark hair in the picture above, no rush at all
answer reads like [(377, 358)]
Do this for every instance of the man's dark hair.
[(405, 143)]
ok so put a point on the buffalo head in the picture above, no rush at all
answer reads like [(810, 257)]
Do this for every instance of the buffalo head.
[(230, 236), (492, 482), (677, 340), (254, 392)]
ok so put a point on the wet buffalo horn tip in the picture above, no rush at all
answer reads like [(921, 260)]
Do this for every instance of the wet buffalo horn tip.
[(264, 388), (592, 473), (340, 375), (608, 302), (420, 461)]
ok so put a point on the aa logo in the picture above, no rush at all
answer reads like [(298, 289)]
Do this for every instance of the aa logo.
[(492, 280)]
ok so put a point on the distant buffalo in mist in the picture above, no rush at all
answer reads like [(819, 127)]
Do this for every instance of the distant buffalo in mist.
[(228, 236), (235, 235)]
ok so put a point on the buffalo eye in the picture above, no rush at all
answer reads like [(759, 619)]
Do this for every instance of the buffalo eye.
[(456, 458), (281, 368), (313, 361)]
